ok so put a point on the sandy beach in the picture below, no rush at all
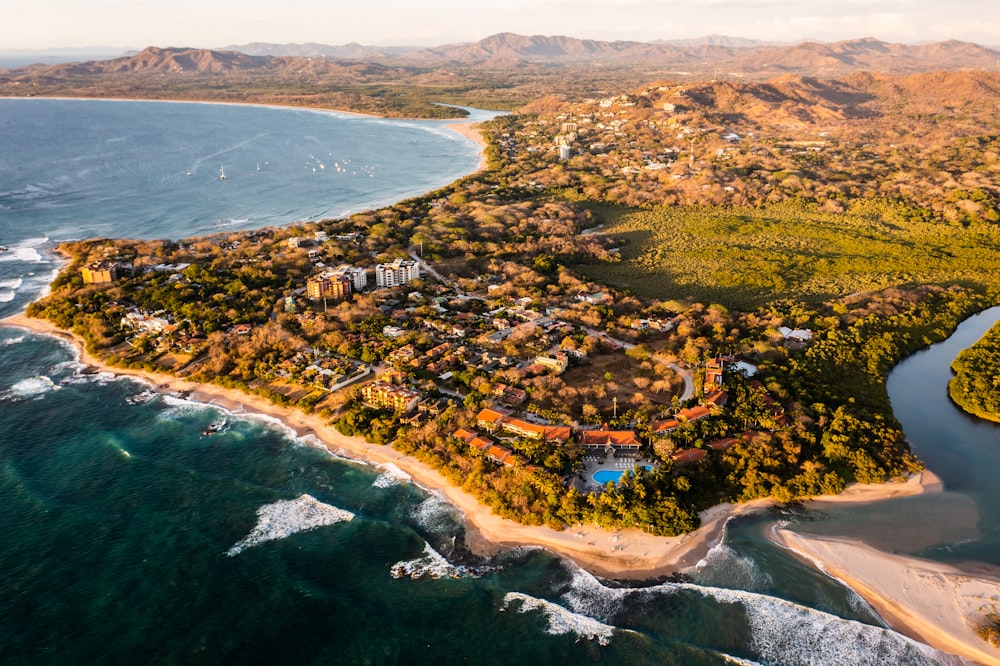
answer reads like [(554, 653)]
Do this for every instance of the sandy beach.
[(929, 601), (625, 554), (470, 131)]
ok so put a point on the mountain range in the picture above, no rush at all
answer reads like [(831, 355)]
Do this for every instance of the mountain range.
[(721, 55)]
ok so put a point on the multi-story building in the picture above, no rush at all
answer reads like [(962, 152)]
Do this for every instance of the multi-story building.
[(390, 396), (327, 285), (398, 272), (357, 276)]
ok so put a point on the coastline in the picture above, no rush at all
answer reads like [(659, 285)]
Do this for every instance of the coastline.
[(625, 554), (929, 601), (470, 130)]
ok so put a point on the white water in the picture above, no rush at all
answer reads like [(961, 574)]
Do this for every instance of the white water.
[(287, 517), (32, 387), (782, 632), (391, 476), (431, 564), (561, 620)]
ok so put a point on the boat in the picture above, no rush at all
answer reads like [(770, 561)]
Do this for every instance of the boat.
[(189, 172), (258, 166), (222, 173), (3, 248), (214, 427)]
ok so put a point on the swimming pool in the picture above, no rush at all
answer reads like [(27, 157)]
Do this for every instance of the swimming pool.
[(602, 476)]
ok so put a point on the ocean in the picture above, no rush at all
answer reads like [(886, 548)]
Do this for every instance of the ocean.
[(128, 536)]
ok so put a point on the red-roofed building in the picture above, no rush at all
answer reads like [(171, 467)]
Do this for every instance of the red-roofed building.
[(717, 398), (490, 418), (464, 434), (722, 444), (688, 455), (664, 426), (694, 413), (604, 439)]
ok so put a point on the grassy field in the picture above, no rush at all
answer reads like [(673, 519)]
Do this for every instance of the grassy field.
[(744, 257)]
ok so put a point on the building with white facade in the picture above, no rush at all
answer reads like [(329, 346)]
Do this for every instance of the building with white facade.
[(398, 272)]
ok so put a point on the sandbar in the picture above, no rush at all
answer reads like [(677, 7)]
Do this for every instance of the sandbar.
[(929, 601)]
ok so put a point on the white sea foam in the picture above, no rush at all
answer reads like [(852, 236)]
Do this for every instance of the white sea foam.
[(589, 596), (740, 662), (436, 514), (32, 387), (787, 633), (287, 517), (25, 254), (561, 620), (12, 341), (430, 565), (724, 567), (6, 296), (782, 632), (13, 285), (391, 476)]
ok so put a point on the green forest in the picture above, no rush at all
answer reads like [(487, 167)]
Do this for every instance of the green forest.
[(976, 384)]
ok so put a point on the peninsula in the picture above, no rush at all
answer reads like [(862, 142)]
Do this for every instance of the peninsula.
[(649, 311)]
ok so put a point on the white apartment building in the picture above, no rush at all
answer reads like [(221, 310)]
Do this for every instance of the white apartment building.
[(398, 272)]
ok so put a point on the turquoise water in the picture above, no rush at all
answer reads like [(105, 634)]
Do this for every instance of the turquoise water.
[(602, 476), (128, 537)]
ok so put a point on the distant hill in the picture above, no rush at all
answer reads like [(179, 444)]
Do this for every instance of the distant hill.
[(352, 51), (710, 54)]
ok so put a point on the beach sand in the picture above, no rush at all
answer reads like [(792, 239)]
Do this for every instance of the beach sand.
[(625, 554), (929, 601), (470, 131)]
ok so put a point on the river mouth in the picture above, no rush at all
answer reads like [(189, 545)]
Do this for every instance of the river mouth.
[(960, 526)]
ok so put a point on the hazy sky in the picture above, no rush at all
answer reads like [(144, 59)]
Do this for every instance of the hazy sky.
[(216, 23)]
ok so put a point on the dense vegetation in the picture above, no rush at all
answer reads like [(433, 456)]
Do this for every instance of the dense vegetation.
[(874, 268), (976, 384), (745, 257)]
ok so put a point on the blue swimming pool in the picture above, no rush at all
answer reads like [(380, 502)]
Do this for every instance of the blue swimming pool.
[(602, 476)]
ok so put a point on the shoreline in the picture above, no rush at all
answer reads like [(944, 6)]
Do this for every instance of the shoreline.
[(625, 554), (932, 602)]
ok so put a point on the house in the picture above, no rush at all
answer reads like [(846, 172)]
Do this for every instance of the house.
[(695, 413), (722, 444), (510, 395), (717, 399), (663, 426), (489, 419), (715, 369), (557, 362), (688, 455)]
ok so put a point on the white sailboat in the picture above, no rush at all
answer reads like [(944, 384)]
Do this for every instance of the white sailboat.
[(258, 166), (189, 172), (222, 173)]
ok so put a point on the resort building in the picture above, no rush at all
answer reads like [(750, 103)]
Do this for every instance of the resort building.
[(103, 272), (327, 285), (610, 441), (398, 272), (388, 395), (357, 276)]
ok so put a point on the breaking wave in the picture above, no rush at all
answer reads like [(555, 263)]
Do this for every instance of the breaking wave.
[(436, 515), (287, 517), (13, 341), (787, 633), (782, 632), (32, 387), (561, 620), (722, 566), (391, 476), (431, 565)]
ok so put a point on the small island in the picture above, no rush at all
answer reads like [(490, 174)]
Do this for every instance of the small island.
[(974, 387)]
